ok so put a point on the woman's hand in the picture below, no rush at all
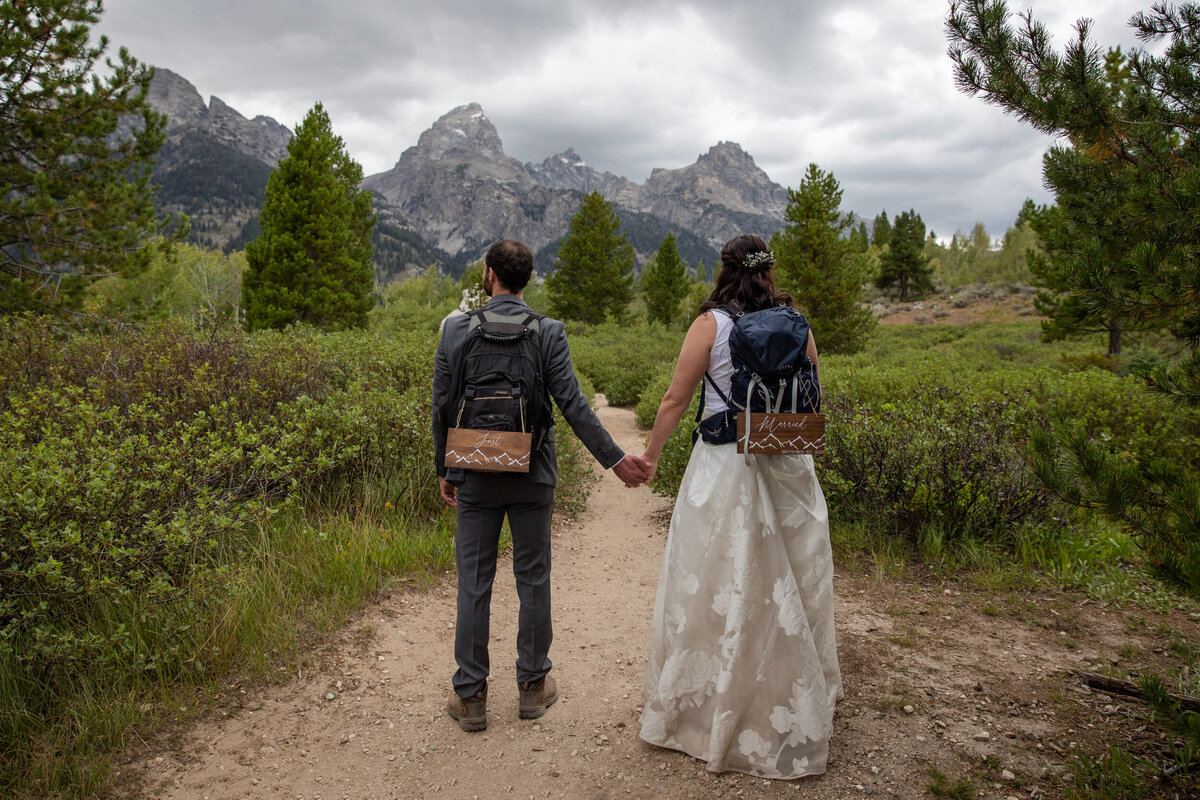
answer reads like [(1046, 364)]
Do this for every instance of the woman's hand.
[(652, 465)]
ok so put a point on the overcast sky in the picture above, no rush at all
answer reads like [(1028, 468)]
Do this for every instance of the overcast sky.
[(861, 87)]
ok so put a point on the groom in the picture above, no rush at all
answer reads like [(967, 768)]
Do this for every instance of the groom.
[(483, 499)]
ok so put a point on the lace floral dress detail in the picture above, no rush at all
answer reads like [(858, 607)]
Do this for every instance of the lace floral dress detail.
[(743, 670)]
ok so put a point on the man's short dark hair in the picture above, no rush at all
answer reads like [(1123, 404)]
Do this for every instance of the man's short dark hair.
[(512, 262)]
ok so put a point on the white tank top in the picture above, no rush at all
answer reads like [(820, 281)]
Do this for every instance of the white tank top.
[(720, 367)]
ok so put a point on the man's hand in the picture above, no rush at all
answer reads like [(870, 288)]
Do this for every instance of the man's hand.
[(632, 470), (449, 492)]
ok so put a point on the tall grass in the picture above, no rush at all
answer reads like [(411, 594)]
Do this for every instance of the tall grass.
[(299, 576)]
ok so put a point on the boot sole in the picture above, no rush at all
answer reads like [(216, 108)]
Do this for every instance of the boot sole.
[(469, 724)]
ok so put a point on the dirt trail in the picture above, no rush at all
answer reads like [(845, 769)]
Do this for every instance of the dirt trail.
[(929, 681)]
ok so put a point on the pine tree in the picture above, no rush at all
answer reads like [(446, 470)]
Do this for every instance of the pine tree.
[(593, 274), (881, 230), (1067, 314), (905, 265), (818, 265), (664, 283), (1061, 301), (860, 240), (1125, 184), (313, 261), (76, 201)]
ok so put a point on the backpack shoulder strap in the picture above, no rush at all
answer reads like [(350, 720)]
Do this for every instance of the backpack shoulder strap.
[(504, 327), (731, 311), (713, 383)]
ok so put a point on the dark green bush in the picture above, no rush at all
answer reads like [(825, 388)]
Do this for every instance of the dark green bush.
[(935, 457)]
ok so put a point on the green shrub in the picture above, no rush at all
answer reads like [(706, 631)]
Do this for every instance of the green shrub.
[(678, 449), (927, 429), (576, 467), (933, 458), (128, 461), (621, 359)]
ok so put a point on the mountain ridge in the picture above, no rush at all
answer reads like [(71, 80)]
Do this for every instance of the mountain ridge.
[(458, 184), (455, 190)]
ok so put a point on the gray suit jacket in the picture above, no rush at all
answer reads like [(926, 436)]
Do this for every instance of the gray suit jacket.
[(560, 381)]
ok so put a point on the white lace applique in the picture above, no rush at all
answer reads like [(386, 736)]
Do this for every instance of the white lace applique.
[(720, 603), (676, 618), (791, 609), (750, 743)]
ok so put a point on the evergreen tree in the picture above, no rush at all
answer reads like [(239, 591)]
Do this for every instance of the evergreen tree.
[(593, 275), (1067, 313), (905, 264), (312, 262), (1061, 298), (818, 265), (1125, 183), (860, 240), (75, 195), (664, 283), (881, 230)]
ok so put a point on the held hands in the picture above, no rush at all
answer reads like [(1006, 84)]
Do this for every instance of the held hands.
[(633, 470)]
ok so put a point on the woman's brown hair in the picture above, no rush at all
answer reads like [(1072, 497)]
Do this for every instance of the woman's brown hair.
[(750, 287)]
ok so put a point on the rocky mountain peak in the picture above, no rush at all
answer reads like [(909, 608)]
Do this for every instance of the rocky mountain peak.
[(727, 154), (568, 171), (465, 129), (175, 96), (570, 157), (262, 138), (457, 188), (722, 194)]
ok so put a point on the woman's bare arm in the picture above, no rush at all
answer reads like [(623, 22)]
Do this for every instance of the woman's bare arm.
[(689, 371)]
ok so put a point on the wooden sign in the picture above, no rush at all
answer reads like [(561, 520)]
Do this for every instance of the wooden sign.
[(777, 434), (488, 451)]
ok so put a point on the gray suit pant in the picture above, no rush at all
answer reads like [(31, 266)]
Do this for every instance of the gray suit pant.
[(484, 499)]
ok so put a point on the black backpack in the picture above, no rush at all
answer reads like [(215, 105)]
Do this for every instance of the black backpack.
[(772, 372), (499, 385)]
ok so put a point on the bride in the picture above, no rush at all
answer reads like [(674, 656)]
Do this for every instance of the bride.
[(743, 669)]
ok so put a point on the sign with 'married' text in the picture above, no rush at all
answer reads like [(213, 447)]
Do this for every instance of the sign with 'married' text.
[(488, 451), (778, 434)]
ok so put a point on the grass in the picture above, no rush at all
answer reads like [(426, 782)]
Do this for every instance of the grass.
[(1114, 776), (1096, 559), (300, 575), (941, 785), (863, 549)]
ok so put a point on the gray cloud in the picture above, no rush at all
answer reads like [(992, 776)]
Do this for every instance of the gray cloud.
[(861, 87)]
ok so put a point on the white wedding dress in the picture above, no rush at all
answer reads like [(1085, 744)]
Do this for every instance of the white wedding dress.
[(743, 670)]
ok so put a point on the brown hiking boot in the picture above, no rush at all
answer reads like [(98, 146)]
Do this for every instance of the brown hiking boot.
[(536, 697), (469, 712)]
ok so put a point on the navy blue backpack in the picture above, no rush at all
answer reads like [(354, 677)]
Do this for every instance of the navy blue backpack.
[(772, 372)]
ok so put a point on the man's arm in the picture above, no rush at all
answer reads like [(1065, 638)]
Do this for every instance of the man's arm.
[(441, 389), (564, 388)]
